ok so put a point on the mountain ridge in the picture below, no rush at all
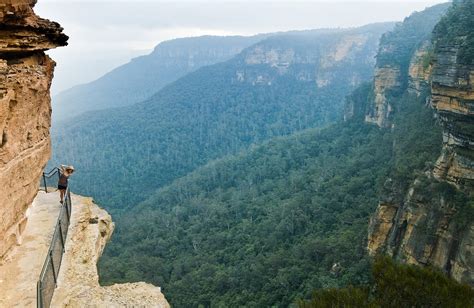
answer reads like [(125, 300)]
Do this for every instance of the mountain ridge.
[(145, 75)]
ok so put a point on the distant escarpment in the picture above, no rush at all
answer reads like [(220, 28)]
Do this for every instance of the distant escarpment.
[(431, 222), (25, 111), (144, 76)]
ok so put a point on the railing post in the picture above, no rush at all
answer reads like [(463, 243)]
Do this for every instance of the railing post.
[(69, 203), (66, 205), (44, 181), (52, 265), (61, 235), (39, 295)]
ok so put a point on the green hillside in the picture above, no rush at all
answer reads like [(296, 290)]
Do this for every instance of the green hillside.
[(267, 226), (270, 89)]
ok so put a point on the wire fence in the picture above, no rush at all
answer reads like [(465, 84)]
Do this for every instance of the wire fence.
[(49, 274)]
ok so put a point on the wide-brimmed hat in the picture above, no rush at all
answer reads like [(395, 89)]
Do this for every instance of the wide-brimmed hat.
[(71, 168)]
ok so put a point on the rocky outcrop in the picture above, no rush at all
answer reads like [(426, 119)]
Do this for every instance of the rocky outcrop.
[(398, 68), (25, 79), (426, 228), (386, 79), (390, 80), (419, 71), (78, 281)]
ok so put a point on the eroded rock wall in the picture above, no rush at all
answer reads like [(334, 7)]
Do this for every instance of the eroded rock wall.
[(453, 99), (433, 223), (426, 228), (25, 111)]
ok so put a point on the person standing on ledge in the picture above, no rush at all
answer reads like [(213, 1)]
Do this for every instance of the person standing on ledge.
[(64, 175)]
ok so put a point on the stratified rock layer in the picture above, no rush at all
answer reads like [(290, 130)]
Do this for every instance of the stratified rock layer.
[(423, 229), (453, 98), (386, 79), (25, 79), (431, 224), (419, 71)]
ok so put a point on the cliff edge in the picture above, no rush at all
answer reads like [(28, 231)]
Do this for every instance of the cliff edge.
[(25, 111), (432, 222), (78, 281)]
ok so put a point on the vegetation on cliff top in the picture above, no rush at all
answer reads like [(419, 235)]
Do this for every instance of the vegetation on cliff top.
[(397, 285), (456, 28), (397, 46)]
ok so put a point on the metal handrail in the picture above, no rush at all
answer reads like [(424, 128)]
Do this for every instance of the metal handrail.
[(50, 174), (43, 298)]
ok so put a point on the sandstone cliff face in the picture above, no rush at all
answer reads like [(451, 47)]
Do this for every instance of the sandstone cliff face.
[(398, 67), (432, 223), (386, 79), (78, 281), (25, 79), (425, 228)]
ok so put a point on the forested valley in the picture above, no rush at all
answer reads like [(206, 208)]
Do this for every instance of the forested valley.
[(251, 182)]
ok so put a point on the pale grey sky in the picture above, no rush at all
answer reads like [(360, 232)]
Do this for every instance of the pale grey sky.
[(107, 33)]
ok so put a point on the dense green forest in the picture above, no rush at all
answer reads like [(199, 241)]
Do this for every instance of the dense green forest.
[(122, 155), (267, 226), (396, 285)]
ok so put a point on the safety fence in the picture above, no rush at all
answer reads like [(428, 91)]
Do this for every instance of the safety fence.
[(49, 274)]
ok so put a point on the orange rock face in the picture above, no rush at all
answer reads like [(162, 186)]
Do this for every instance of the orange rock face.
[(25, 111)]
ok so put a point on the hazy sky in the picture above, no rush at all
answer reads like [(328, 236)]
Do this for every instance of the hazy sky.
[(107, 33)]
